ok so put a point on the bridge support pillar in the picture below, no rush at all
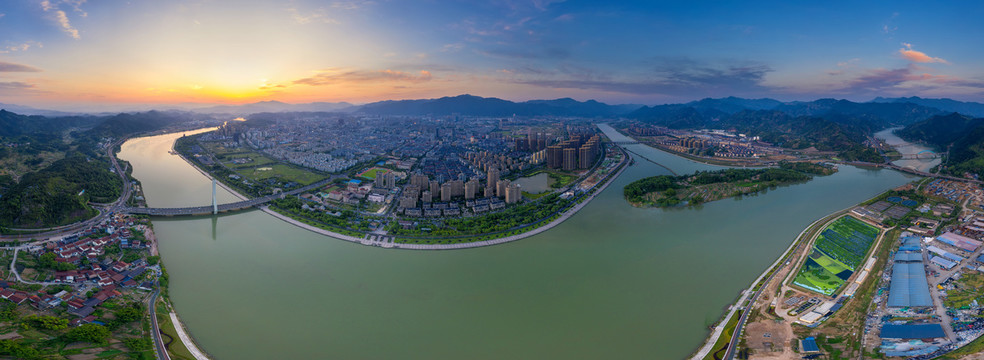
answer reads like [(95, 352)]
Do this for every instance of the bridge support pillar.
[(215, 204)]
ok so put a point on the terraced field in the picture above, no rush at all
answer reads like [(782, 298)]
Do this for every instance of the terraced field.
[(837, 253)]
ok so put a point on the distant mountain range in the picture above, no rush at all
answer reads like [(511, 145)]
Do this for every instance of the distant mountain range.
[(948, 105), (27, 110), (903, 110), (275, 106), (470, 105)]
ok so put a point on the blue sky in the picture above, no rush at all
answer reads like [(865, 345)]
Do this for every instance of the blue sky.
[(67, 52)]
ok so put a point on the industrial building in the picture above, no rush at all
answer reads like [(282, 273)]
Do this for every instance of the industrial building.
[(909, 287), (959, 241), (913, 331)]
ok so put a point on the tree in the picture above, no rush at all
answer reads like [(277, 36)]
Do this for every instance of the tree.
[(46, 322), (47, 260), (96, 334)]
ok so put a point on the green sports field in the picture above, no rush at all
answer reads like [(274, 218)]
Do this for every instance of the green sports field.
[(838, 251)]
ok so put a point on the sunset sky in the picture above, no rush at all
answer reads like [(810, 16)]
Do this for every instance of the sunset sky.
[(64, 53)]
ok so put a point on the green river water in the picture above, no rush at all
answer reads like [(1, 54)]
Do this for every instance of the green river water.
[(611, 282)]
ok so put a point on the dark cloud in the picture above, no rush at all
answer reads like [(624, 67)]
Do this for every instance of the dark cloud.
[(879, 79), (363, 76), (682, 77), (882, 79), (12, 67), (16, 86)]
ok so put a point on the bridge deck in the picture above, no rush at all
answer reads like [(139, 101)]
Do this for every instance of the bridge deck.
[(207, 210)]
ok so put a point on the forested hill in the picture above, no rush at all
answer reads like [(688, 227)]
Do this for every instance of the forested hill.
[(12, 124), (961, 136), (939, 131), (51, 167), (827, 124)]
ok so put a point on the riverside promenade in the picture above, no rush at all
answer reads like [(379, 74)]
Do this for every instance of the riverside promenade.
[(598, 188)]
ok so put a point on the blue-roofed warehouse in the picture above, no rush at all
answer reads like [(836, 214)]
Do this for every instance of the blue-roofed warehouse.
[(944, 263), (918, 331), (909, 257), (909, 287), (810, 345), (910, 243)]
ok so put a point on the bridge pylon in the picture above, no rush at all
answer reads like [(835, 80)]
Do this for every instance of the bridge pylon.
[(215, 203)]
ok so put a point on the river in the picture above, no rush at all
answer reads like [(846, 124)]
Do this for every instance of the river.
[(611, 282), (907, 149)]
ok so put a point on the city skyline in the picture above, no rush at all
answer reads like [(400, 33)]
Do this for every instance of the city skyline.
[(62, 54)]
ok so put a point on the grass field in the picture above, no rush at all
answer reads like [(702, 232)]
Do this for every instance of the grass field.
[(725, 339), (177, 349), (371, 172), (838, 251), (281, 171), (816, 277), (261, 167)]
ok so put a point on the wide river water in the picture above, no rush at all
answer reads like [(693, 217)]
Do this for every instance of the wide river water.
[(613, 281)]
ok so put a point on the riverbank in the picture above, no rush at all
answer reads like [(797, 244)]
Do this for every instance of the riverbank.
[(566, 215), (370, 240), (701, 159), (186, 339), (703, 187), (714, 340), (209, 176)]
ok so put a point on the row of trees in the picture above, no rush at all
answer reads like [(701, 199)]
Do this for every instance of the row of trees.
[(512, 217)]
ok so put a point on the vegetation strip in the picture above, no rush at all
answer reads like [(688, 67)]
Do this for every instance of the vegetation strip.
[(706, 186)]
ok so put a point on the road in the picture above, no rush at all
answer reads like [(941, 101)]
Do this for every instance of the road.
[(13, 269), (103, 213), (207, 210), (943, 275), (911, 171), (158, 342), (779, 265)]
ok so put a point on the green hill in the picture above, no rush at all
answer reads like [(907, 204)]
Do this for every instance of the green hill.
[(962, 136)]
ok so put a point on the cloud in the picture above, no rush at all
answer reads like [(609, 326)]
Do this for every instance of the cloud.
[(321, 15), (335, 76), (889, 26), (908, 77), (15, 85), (62, 20), (677, 77), (12, 67), (350, 4), (317, 16), (455, 47), (21, 47), (60, 17), (546, 52), (918, 56)]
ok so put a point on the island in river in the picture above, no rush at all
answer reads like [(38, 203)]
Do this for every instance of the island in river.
[(706, 186)]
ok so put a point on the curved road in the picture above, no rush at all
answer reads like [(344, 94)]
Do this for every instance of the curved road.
[(103, 213), (158, 342)]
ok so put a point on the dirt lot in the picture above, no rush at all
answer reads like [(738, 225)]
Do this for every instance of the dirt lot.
[(769, 339)]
